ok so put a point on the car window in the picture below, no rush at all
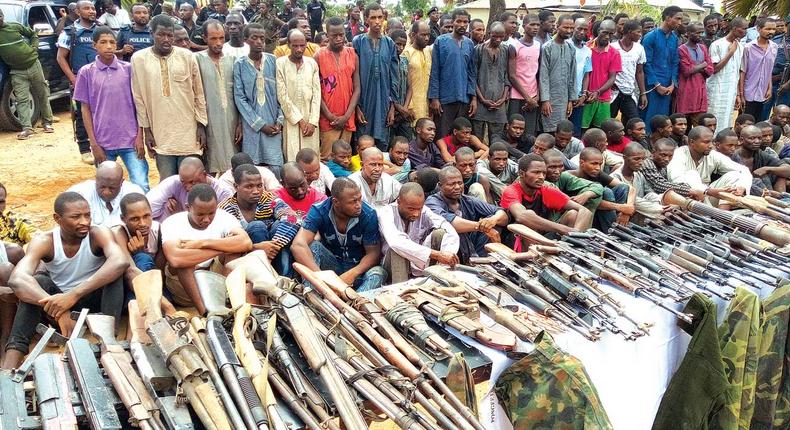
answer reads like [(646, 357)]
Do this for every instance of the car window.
[(12, 12), (39, 20), (56, 10)]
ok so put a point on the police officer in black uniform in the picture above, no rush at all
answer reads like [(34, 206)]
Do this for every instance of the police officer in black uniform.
[(137, 36)]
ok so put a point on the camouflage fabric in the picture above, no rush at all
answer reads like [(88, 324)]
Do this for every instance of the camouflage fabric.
[(549, 389), (739, 338), (772, 395), (460, 381), (699, 389)]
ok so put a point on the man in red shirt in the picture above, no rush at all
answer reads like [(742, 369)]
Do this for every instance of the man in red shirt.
[(460, 136), (539, 206), (606, 63), (615, 135), (296, 192)]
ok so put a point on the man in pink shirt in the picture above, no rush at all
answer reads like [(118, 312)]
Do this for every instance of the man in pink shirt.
[(296, 192), (524, 55), (606, 64)]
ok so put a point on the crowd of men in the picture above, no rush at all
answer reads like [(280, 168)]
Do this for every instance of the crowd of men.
[(354, 146)]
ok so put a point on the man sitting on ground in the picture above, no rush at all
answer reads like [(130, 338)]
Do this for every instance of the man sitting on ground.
[(647, 204), (171, 195), (615, 135), (519, 143), (138, 237), (767, 140), (84, 270), (396, 160), (460, 136), (349, 244), (742, 121), (364, 142), (378, 188), (295, 192), (596, 138), (413, 236), (539, 206), (104, 193), (565, 141), (679, 127), (545, 142), (662, 128), (695, 163), (635, 130), (340, 159), (584, 192), (13, 228), (709, 120), (617, 201), (197, 239), (654, 169), (769, 172), (475, 185), (474, 220), (268, 221), (270, 181), (423, 151), (499, 169), (317, 174)]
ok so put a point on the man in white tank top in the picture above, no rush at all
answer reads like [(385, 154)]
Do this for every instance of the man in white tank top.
[(84, 268)]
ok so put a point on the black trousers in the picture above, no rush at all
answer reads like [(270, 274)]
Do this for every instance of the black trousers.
[(531, 118), (755, 109), (108, 300), (79, 127), (626, 106), (450, 111)]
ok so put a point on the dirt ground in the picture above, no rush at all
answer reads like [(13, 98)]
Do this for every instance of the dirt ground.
[(36, 170)]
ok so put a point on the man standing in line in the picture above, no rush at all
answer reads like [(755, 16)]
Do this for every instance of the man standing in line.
[(255, 93), (104, 91), (754, 86), (661, 68), (419, 54), (137, 36), (629, 84), (548, 25), (235, 46), (558, 76), (433, 20), (340, 87), (299, 94), (75, 49), (166, 86), (27, 77), (452, 87), (378, 75), (223, 131), (524, 56), (493, 85), (726, 54), (583, 70), (711, 24), (606, 65), (695, 68)]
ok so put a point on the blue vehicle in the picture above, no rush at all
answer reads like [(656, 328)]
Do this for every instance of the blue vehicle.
[(42, 17)]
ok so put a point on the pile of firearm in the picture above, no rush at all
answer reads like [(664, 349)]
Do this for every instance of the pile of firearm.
[(304, 357), (318, 355), (701, 249)]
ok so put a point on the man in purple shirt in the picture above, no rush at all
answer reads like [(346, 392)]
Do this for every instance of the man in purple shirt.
[(171, 195), (104, 91), (754, 87)]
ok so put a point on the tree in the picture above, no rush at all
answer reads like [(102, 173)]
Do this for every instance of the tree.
[(497, 7), (409, 6), (747, 8)]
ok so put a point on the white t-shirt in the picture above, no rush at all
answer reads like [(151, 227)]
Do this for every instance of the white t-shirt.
[(117, 21), (177, 227), (626, 80)]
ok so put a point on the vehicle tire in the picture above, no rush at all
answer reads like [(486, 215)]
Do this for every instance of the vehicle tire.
[(8, 111)]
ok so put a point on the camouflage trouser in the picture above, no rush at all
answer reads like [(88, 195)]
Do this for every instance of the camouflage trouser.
[(549, 389), (699, 389), (739, 337), (772, 395)]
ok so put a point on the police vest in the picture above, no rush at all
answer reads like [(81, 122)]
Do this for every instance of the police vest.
[(81, 51), (138, 39)]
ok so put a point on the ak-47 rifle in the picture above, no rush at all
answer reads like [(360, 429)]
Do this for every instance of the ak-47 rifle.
[(255, 267), (53, 393), (449, 404), (182, 357), (96, 398), (211, 287), (411, 321), (117, 363), (13, 405), (759, 205)]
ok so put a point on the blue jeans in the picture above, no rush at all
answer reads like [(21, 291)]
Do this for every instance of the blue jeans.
[(137, 168), (604, 219), (144, 261), (258, 232), (167, 165), (371, 280), (576, 119), (656, 105)]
